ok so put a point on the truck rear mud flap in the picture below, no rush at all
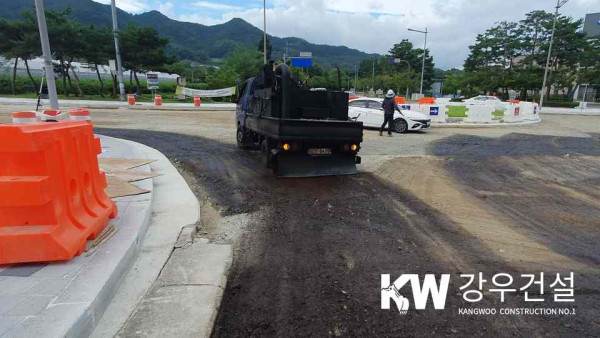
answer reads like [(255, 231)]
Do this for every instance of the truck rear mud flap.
[(297, 165)]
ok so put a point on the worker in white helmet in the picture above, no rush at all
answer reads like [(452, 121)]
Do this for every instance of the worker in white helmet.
[(389, 106)]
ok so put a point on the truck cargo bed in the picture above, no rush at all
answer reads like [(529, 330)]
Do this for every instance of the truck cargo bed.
[(306, 129)]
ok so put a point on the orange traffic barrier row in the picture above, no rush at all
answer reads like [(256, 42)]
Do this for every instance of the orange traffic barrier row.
[(52, 196), (427, 100), (399, 99), (50, 116)]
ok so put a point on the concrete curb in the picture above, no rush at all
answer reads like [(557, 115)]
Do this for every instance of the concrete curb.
[(484, 125), (91, 104), (175, 206)]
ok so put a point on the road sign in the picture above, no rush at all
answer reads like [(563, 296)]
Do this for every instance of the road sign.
[(301, 62), (152, 80), (434, 111), (306, 54), (395, 60)]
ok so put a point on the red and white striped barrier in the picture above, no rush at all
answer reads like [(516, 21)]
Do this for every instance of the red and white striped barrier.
[(20, 117), (80, 114)]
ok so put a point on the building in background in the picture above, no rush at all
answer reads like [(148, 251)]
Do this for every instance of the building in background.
[(591, 26)]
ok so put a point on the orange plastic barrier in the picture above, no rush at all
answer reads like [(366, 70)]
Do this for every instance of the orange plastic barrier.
[(131, 99), (427, 100), (399, 99), (52, 195), (157, 100), (197, 101)]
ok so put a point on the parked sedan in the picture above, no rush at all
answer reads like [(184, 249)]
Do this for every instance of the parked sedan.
[(369, 112), (483, 100)]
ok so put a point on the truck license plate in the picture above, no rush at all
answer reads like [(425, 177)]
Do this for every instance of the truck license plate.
[(319, 151)]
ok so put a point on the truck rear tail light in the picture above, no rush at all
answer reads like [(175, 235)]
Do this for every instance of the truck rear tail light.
[(286, 146), (354, 147)]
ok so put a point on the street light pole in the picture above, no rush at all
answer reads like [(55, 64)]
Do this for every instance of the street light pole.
[(48, 67), (424, 49), (559, 4), (265, 31), (117, 52)]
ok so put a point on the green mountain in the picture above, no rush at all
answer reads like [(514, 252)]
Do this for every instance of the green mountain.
[(192, 41)]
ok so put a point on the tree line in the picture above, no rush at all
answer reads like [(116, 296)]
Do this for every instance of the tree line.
[(142, 49), (512, 56)]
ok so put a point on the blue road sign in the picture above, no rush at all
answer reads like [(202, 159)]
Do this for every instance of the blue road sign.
[(434, 111), (302, 62)]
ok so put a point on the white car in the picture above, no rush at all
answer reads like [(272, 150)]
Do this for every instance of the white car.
[(483, 100), (369, 112)]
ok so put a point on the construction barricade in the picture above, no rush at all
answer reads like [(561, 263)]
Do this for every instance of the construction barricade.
[(529, 111), (131, 99), (24, 117), (427, 100), (436, 112), (197, 101), (513, 113), (81, 114), (52, 196), (480, 113)]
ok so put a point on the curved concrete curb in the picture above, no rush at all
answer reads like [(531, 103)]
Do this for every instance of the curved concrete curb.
[(484, 125), (174, 207)]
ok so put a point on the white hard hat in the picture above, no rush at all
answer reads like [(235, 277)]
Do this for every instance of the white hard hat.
[(390, 93)]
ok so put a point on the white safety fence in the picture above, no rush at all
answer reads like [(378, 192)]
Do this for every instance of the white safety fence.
[(512, 113)]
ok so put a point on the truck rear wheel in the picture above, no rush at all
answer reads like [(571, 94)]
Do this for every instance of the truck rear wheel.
[(266, 154), (242, 139)]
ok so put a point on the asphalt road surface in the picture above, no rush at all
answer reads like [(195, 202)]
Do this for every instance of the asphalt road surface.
[(309, 253)]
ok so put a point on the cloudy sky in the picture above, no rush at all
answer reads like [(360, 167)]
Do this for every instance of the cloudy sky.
[(367, 25)]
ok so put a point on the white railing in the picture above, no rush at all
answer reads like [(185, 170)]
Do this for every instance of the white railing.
[(481, 113)]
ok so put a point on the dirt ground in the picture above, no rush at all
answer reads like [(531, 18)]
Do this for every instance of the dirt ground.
[(308, 253)]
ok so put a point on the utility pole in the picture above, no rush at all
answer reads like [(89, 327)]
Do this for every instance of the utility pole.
[(559, 4), (373, 75), (118, 53), (265, 31), (424, 50), (48, 67), (355, 77)]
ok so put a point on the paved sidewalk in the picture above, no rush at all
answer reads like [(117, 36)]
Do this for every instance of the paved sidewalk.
[(29, 104), (67, 298)]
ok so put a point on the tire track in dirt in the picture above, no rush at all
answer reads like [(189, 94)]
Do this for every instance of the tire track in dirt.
[(309, 263)]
